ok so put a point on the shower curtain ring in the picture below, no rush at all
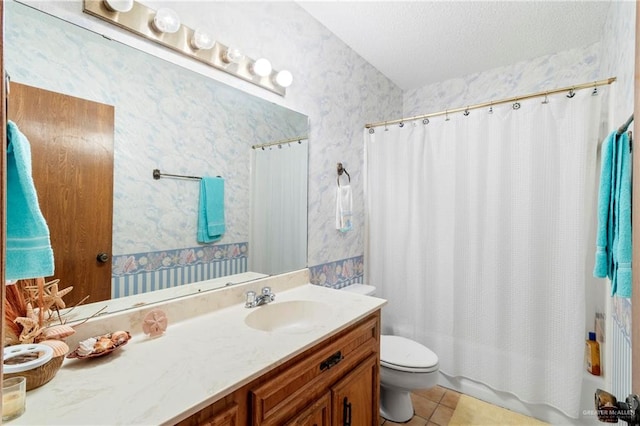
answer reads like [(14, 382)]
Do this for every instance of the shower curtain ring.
[(371, 131), (595, 89), (546, 99), (571, 93), (466, 112), (425, 121), (401, 124), (446, 115), (491, 108)]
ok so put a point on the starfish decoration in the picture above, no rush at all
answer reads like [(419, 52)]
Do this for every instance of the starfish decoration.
[(30, 326), (53, 296)]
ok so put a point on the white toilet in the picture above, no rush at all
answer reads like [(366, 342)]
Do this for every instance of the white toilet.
[(405, 365)]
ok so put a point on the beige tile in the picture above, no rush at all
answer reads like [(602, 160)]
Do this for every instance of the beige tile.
[(415, 421), (434, 394), (450, 399), (441, 415), (422, 406)]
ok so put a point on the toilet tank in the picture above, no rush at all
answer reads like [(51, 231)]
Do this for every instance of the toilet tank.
[(367, 290)]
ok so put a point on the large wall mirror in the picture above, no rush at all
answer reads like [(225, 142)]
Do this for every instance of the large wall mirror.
[(170, 118)]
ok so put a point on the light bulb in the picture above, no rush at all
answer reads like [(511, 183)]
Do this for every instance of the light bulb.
[(119, 5), (166, 20), (232, 54), (284, 78), (201, 40), (262, 67)]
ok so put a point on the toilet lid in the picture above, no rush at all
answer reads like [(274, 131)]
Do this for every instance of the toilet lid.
[(404, 354)]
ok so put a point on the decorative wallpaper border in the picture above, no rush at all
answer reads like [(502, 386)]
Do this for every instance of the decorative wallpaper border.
[(136, 263), (339, 273)]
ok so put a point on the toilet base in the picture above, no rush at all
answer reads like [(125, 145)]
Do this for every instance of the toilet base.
[(395, 405)]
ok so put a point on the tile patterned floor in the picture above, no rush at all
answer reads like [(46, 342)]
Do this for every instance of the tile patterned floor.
[(433, 407)]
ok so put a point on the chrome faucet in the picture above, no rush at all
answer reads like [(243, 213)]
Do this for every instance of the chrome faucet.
[(265, 297)]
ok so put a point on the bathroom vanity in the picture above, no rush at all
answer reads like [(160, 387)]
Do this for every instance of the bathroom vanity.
[(309, 357), (333, 383)]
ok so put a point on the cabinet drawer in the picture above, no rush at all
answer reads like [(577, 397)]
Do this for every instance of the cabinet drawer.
[(308, 376)]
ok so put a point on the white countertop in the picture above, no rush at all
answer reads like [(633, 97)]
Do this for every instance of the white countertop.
[(197, 361)]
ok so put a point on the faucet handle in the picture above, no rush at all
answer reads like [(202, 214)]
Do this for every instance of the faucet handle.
[(251, 299), (266, 291)]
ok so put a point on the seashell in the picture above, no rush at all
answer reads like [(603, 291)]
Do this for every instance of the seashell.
[(155, 323), (104, 343), (58, 331), (86, 346), (119, 337), (60, 348), (100, 345)]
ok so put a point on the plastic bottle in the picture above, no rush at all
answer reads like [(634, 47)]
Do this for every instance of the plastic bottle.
[(592, 353)]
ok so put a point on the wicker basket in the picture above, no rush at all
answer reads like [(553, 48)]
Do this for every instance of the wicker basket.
[(38, 376)]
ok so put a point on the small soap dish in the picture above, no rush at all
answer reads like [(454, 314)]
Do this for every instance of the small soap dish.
[(100, 345)]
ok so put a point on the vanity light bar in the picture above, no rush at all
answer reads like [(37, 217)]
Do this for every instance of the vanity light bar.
[(138, 19)]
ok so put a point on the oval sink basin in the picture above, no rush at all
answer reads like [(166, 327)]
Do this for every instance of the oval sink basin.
[(295, 316)]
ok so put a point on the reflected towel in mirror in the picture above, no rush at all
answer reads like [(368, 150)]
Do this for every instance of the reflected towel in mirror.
[(211, 225), (29, 252), (344, 208)]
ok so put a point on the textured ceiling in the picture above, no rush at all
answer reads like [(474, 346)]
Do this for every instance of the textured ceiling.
[(415, 43)]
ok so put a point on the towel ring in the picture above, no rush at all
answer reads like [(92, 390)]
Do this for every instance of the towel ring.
[(340, 171)]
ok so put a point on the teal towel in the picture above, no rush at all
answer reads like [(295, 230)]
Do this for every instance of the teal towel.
[(613, 239), (604, 240), (29, 252), (621, 283), (211, 210)]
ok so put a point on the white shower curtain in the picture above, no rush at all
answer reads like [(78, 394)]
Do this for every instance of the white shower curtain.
[(480, 235), (278, 235)]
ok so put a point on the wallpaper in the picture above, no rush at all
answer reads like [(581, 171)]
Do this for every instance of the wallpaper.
[(544, 73)]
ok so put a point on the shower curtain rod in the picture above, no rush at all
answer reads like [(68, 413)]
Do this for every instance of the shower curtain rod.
[(569, 89), (264, 145)]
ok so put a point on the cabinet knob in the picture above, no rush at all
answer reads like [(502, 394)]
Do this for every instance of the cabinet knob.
[(102, 257)]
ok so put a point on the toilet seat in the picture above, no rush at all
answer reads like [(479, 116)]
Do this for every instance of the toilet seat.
[(402, 354)]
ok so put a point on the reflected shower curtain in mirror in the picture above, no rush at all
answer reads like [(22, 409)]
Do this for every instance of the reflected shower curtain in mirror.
[(278, 236), (480, 233)]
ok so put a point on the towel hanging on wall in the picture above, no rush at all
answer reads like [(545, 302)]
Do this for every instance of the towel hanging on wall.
[(29, 252), (344, 208)]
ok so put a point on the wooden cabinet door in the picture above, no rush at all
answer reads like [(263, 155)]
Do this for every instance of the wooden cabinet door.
[(228, 417), (317, 414), (355, 397)]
